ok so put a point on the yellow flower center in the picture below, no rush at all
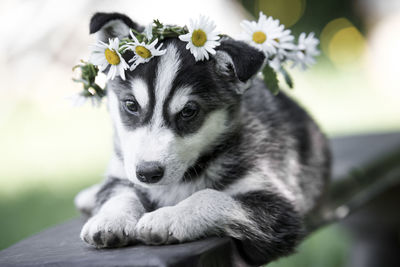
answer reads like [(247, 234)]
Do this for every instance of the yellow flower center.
[(199, 38), (112, 56), (142, 51), (259, 37)]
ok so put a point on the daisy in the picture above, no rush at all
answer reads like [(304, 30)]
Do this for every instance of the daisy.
[(285, 43), (266, 34), (143, 52), (306, 50), (148, 31), (275, 63), (107, 54), (201, 38), (284, 49)]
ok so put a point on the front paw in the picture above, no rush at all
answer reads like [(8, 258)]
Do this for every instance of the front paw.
[(104, 231), (161, 226)]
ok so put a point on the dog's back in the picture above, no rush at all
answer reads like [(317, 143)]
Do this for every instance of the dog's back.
[(290, 141)]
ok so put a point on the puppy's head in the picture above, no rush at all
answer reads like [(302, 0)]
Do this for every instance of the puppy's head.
[(172, 111)]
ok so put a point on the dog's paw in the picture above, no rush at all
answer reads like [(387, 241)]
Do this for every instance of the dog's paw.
[(104, 231), (161, 226), (85, 201)]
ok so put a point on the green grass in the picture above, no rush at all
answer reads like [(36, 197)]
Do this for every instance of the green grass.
[(47, 157), (32, 211), (328, 247), (40, 205)]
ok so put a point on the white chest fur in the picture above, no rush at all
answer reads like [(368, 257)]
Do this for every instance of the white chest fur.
[(169, 195)]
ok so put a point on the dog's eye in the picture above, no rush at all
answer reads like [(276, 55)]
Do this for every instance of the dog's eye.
[(131, 106), (189, 111)]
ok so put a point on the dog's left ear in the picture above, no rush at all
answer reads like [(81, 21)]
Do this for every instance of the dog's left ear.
[(111, 25), (238, 62)]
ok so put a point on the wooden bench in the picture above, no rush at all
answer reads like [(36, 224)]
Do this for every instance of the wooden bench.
[(365, 168)]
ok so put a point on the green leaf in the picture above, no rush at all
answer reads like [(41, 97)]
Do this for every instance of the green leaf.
[(287, 77), (158, 23), (88, 77), (140, 36), (80, 81), (270, 79)]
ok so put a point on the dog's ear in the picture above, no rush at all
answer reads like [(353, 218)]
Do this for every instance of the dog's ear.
[(111, 25), (238, 61)]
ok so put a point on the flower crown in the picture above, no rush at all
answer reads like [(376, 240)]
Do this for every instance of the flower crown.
[(266, 34)]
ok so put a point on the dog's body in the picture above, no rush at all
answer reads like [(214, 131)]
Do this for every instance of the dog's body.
[(205, 150)]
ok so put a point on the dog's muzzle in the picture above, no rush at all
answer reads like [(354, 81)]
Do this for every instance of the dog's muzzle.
[(149, 172)]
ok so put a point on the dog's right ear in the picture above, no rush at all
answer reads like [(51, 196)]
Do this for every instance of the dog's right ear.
[(238, 62), (111, 25)]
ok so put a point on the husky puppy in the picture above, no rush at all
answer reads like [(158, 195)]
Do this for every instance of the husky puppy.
[(203, 149)]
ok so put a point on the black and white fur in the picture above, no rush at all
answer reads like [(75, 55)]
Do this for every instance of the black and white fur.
[(248, 165)]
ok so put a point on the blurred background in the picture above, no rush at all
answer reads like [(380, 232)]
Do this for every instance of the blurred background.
[(51, 150)]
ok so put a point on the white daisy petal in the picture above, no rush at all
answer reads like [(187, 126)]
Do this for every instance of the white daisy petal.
[(275, 63), (148, 31), (121, 71), (211, 50), (184, 37), (195, 54), (205, 53), (109, 74), (135, 40), (306, 51), (153, 44), (133, 59)]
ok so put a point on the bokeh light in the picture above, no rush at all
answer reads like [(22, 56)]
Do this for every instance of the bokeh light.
[(329, 31), (287, 11), (343, 44)]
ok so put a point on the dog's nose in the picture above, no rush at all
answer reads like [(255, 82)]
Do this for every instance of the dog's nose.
[(149, 172)]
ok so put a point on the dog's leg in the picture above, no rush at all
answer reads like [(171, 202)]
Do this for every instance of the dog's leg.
[(275, 231), (262, 224), (117, 212), (85, 201)]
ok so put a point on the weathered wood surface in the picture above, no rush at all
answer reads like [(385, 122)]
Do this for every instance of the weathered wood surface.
[(61, 246)]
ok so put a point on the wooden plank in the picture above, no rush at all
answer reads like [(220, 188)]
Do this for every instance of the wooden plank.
[(61, 246)]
